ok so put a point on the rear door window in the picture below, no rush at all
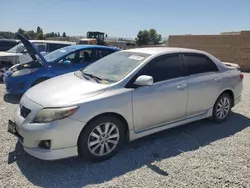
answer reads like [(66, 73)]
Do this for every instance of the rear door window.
[(104, 52), (87, 55), (198, 63)]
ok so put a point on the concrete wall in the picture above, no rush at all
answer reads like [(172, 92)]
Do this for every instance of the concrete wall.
[(231, 48)]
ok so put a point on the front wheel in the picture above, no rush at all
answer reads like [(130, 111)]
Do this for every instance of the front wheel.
[(222, 108), (101, 139), (3, 69)]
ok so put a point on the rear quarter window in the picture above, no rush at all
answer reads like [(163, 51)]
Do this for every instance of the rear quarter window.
[(198, 63)]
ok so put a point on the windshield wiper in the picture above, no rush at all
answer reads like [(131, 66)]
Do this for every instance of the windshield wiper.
[(96, 78)]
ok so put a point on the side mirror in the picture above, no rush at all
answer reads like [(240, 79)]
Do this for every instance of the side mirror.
[(144, 80), (66, 62)]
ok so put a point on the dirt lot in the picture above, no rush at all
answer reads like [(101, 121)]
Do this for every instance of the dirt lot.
[(201, 154)]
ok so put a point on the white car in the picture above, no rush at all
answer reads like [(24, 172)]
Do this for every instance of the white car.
[(124, 96), (18, 54)]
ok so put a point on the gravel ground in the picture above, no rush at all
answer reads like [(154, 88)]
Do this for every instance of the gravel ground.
[(201, 154)]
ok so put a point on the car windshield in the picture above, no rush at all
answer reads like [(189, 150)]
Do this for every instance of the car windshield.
[(17, 49), (57, 54), (116, 66)]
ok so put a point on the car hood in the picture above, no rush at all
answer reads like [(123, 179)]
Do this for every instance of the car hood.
[(63, 90), (31, 49)]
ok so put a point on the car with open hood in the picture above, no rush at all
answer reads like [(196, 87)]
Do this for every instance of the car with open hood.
[(19, 54), (20, 77), (122, 97)]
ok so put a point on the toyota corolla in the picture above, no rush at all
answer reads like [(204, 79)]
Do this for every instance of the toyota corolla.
[(124, 96)]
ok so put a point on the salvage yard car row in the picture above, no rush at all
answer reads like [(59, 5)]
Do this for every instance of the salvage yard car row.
[(92, 110)]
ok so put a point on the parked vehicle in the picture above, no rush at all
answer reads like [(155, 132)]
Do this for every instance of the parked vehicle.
[(21, 77), (124, 96), (6, 44), (19, 54), (93, 37)]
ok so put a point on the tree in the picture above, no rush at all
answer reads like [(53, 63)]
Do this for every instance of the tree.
[(154, 37), (39, 36), (148, 37), (142, 38), (21, 31), (31, 34), (64, 34), (58, 34), (38, 30)]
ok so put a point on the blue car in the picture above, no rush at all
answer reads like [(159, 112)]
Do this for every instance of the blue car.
[(21, 77)]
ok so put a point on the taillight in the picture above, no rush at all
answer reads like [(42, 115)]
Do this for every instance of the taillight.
[(241, 76)]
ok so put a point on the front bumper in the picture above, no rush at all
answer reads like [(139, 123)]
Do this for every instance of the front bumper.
[(15, 86), (63, 134)]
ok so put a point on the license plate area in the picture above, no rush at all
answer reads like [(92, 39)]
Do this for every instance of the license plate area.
[(12, 129)]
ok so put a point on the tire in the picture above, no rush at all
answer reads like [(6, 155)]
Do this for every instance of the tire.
[(222, 108), (3, 69), (90, 147), (39, 81)]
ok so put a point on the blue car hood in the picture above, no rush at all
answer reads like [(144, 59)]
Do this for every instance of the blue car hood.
[(31, 49)]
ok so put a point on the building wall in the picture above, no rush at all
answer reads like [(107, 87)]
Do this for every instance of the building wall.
[(230, 48)]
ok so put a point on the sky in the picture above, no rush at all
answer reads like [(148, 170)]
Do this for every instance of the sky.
[(124, 18)]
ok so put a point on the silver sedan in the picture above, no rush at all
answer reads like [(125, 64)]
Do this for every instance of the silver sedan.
[(124, 96)]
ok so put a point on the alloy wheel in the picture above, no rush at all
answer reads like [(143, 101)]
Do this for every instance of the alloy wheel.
[(223, 108), (103, 139)]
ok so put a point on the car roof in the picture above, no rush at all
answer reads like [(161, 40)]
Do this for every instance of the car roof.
[(9, 40), (77, 47), (53, 41), (163, 50)]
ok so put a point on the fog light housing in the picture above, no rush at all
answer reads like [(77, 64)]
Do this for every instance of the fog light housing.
[(45, 144)]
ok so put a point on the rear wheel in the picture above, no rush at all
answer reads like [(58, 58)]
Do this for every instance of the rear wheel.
[(222, 108), (101, 139)]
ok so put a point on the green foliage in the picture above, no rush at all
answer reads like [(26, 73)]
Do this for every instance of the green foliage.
[(142, 38), (146, 37), (52, 34), (7, 35), (30, 34), (39, 36), (64, 34)]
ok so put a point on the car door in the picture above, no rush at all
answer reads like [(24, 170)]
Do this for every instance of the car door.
[(204, 81), (64, 65), (166, 100)]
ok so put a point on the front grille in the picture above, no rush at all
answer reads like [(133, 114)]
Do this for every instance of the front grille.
[(24, 111)]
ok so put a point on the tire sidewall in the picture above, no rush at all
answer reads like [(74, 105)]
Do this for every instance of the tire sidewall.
[(215, 118), (83, 148)]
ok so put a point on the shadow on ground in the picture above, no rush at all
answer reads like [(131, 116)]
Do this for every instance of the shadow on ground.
[(75, 172), (12, 98)]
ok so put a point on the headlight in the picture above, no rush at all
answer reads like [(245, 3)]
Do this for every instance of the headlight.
[(23, 72), (51, 114)]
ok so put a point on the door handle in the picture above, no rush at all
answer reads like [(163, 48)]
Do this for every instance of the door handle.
[(181, 86), (217, 79)]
